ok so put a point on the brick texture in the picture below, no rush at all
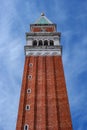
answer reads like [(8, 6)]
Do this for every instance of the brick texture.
[(48, 100), (47, 29)]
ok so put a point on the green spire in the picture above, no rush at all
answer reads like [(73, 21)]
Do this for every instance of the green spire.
[(43, 20)]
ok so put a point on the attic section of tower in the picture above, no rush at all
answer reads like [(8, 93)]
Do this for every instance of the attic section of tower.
[(43, 24)]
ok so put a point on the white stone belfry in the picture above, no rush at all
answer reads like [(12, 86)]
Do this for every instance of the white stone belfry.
[(43, 39)]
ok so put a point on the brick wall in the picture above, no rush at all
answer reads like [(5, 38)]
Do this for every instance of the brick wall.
[(48, 100), (39, 29)]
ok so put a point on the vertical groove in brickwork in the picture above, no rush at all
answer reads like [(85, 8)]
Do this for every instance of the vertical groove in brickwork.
[(44, 96), (46, 93), (30, 98), (35, 105), (19, 125), (40, 99), (25, 96), (36, 96), (35, 78), (52, 111), (57, 105), (64, 113), (23, 118), (54, 86)]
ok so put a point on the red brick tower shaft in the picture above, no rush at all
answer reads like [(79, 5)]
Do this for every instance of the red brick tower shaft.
[(43, 100)]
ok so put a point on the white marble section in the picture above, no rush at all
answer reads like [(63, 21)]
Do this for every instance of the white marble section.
[(30, 39), (29, 42), (43, 53)]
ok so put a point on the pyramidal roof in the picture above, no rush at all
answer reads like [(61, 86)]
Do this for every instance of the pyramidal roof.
[(43, 20)]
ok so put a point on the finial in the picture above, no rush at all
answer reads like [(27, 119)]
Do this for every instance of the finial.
[(42, 14)]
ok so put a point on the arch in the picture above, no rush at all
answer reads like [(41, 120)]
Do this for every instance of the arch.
[(27, 107), (26, 127), (51, 43), (40, 43), (34, 43), (29, 76), (45, 43), (29, 90)]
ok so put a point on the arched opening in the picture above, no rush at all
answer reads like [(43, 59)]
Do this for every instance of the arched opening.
[(40, 43), (45, 43), (26, 127), (34, 43), (51, 43), (27, 107)]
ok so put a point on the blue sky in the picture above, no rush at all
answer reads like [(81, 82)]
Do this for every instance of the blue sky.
[(71, 20)]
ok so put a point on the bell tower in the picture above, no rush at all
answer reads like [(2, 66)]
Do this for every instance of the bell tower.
[(43, 100)]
